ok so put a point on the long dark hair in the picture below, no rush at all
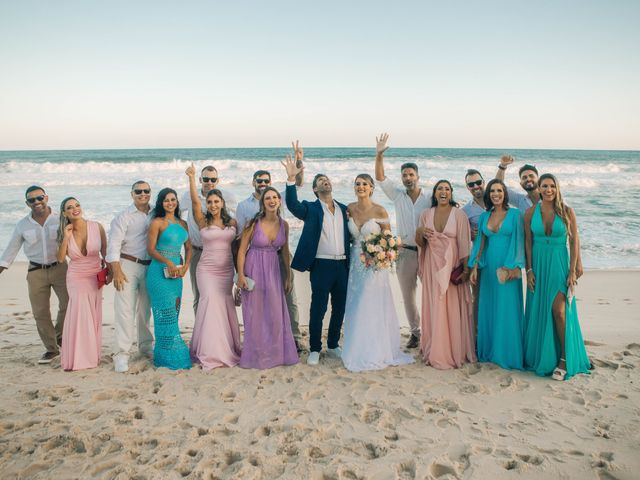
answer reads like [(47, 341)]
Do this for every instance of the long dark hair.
[(224, 215), (434, 202), (63, 221), (262, 212), (158, 210), (488, 204)]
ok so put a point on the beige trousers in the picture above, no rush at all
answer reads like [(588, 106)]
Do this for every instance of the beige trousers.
[(407, 271)]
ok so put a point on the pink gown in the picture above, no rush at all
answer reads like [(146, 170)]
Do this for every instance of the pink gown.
[(82, 333), (447, 313), (216, 334)]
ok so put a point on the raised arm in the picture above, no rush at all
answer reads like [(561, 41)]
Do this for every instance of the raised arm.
[(381, 147), (196, 207), (505, 161), (298, 155)]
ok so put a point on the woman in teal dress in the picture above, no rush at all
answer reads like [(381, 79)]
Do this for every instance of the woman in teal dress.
[(553, 341), (499, 249), (167, 234)]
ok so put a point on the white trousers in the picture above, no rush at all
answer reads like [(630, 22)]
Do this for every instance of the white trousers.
[(407, 271), (132, 308)]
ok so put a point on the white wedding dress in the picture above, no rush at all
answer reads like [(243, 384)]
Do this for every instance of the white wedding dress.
[(371, 329)]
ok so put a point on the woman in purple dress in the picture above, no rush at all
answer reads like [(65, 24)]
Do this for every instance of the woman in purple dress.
[(268, 341)]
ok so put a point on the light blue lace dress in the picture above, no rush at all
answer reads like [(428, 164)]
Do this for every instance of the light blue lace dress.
[(169, 351)]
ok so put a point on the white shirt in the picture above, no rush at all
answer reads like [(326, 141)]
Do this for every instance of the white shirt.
[(332, 235), (185, 206), (248, 208), (40, 242), (407, 212), (128, 234)]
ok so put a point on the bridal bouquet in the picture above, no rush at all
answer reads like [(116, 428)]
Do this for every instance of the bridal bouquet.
[(379, 250)]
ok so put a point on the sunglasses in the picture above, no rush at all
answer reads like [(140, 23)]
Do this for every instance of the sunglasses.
[(263, 180), (209, 179), (32, 200), (140, 191), (477, 183)]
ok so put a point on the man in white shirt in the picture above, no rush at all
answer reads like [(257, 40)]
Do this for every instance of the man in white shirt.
[(37, 233), (410, 202), (128, 259), (474, 207), (248, 208), (209, 180)]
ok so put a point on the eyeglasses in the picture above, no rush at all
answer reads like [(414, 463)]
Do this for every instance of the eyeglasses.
[(209, 179), (33, 200), (140, 191), (477, 183), (263, 180)]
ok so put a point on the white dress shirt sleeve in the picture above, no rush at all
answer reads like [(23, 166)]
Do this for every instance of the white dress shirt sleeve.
[(13, 248), (117, 232), (390, 188)]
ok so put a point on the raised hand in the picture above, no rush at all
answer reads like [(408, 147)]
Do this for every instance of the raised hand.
[(292, 169), (506, 160), (191, 170), (381, 143), (68, 231), (298, 152)]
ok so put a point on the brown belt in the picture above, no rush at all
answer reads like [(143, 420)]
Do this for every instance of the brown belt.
[(134, 259), (37, 266)]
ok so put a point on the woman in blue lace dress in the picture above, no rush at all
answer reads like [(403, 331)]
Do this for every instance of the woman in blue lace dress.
[(167, 234)]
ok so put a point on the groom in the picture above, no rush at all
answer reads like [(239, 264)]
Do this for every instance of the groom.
[(323, 249)]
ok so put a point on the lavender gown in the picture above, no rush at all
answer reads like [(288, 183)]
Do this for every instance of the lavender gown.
[(268, 341)]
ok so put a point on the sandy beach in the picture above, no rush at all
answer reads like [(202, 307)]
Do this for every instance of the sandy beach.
[(324, 422)]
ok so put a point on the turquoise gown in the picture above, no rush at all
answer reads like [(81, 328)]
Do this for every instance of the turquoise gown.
[(500, 306), (165, 294), (550, 264)]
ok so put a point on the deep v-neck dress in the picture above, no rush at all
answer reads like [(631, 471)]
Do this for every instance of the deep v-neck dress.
[(268, 341), (216, 333), (500, 306), (447, 312), (550, 264), (371, 328), (82, 333)]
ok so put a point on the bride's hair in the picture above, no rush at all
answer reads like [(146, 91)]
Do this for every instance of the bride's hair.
[(367, 178)]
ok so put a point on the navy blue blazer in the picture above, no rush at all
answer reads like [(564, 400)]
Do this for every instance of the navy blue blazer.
[(311, 213)]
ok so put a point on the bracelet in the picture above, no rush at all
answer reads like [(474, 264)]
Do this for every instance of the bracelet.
[(529, 271), (502, 167)]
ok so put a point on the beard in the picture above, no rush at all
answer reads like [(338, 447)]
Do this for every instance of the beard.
[(530, 187)]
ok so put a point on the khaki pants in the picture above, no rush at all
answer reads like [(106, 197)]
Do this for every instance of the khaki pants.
[(132, 309), (40, 283), (407, 271)]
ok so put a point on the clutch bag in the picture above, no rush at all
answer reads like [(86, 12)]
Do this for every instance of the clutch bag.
[(102, 277), (456, 275)]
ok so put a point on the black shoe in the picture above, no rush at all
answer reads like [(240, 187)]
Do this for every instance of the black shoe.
[(47, 357), (413, 341)]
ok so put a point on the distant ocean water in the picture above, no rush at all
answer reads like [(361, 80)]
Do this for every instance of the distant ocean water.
[(602, 186)]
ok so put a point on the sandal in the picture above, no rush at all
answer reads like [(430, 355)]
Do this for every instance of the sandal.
[(558, 373)]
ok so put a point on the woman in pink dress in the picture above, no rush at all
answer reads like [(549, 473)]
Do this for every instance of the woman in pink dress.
[(85, 243), (444, 243), (216, 334)]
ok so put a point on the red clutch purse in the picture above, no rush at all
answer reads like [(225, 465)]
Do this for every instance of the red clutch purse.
[(456, 275), (102, 277)]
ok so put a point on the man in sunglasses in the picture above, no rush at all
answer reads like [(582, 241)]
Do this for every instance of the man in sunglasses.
[(128, 259), (37, 233), (248, 208), (474, 207), (410, 201), (209, 180)]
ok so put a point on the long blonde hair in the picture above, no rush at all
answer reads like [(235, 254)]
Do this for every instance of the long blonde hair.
[(64, 221), (559, 206)]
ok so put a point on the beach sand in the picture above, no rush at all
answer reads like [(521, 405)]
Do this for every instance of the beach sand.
[(324, 422)]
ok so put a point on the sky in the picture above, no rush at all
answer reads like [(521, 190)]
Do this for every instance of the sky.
[(478, 74)]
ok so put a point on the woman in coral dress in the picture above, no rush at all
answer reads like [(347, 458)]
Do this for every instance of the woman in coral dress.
[(216, 334), (85, 243), (444, 242)]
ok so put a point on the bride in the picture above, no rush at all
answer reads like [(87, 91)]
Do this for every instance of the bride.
[(371, 331)]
